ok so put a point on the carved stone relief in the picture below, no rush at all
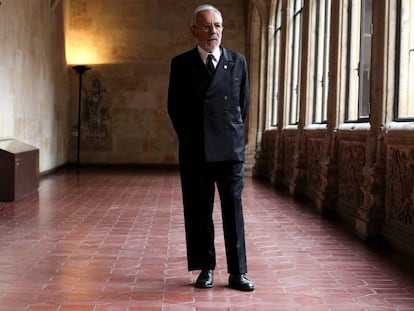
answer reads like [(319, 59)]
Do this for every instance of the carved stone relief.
[(96, 134), (314, 152), (276, 176), (399, 185), (264, 159), (350, 165), (289, 156)]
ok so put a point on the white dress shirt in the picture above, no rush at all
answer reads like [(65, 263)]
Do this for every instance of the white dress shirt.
[(216, 55)]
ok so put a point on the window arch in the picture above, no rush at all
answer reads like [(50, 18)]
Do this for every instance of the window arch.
[(276, 62), (295, 66), (359, 38), (320, 60), (404, 108)]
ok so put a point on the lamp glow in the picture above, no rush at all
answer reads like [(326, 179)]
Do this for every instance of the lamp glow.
[(80, 55)]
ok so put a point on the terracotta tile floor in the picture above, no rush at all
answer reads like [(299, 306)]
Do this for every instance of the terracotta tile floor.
[(114, 240)]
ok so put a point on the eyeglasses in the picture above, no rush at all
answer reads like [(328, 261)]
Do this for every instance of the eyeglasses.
[(209, 28)]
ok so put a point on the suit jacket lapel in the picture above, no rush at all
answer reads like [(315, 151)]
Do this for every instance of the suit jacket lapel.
[(223, 68), (199, 74)]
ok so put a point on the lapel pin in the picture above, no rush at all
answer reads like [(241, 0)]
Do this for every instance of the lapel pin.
[(225, 66)]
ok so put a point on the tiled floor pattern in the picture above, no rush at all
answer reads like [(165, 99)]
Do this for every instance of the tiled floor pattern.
[(114, 240)]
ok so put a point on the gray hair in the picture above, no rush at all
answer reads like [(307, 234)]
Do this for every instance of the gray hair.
[(202, 8)]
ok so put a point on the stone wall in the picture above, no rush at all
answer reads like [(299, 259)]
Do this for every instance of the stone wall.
[(129, 45), (34, 78)]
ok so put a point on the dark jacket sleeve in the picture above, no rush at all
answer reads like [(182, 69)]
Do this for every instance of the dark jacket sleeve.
[(244, 91), (174, 90)]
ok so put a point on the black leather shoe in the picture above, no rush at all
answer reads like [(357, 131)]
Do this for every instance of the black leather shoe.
[(241, 282), (205, 279)]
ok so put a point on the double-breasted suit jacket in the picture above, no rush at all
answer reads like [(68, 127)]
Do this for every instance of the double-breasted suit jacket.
[(208, 113)]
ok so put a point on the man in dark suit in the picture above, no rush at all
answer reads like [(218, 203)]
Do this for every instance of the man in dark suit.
[(207, 103)]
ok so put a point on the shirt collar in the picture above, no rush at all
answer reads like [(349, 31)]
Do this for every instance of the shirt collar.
[(216, 53)]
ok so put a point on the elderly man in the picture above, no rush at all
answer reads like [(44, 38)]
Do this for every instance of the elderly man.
[(207, 103)]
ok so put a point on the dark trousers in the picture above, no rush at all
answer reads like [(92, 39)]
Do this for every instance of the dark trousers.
[(198, 188)]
